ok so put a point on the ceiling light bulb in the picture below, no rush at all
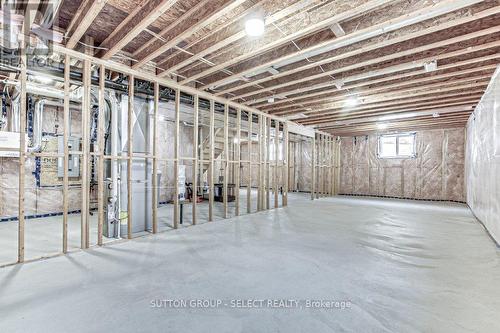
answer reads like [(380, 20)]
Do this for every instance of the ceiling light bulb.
[(435, 115), (351, 102), (254, 27)]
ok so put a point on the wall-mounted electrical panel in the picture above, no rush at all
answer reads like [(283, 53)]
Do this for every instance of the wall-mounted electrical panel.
[(74, 160)]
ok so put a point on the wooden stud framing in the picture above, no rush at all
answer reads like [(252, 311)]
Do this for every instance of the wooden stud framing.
[(100, 156), (22, 152), (276, 163), (268, 162), (260, 194), (176, 156), (250, 144), (313, 166), (155, 156), (85, 225), (211, 164), (237, 165), (66, 121), (195, 156), (226, 161), (130, 161), (286, 155)]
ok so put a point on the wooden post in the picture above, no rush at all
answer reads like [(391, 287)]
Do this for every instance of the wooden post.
[(176, 157), (130, 160), (100, 156), (211, 163), (260, 144), (195, 155), (286, 152), (155, 156), (268, 164), (238, 161), (250, 144), (226, 159), (22, 151), (66, 121), (85, 225), (276, 163), (313, 175)]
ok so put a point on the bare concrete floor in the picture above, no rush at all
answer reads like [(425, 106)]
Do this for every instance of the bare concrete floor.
[(401, 266), (43, 236)]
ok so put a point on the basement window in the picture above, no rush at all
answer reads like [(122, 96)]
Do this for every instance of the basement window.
[(397, 146)]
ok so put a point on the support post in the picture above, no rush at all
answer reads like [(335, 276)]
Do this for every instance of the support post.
[(176, 157), (250, 144), (130, 160), (313, 175), (268, 163), (85, 227), (276, 163), (286, 155), (155, 156), (226, 159), (238, 161), (66, 121), (195, 156), (211, 164), (100, 156), (22, 151)]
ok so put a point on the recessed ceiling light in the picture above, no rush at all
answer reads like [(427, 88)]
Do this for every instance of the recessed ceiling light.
[(351, 102), (254, 27)]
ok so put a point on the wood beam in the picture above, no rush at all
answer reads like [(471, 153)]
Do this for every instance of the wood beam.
[(185, 16), (308, 30), (150, 53), (150, 12), (359, 36), (420, 62), (365, 79), (85, 15), (300, 5)]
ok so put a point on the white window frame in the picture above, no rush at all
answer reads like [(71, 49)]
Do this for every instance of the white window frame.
[(397, 136)]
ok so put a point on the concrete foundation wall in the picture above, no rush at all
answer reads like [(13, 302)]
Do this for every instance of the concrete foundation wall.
[(436, 173)]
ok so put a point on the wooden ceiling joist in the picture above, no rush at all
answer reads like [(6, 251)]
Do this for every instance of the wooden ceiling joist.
[(85, 15), (302, 80), (315, 27), (178, 35), (300, 98), (150, 11), (169, 28), (301, 5), (359, 36)]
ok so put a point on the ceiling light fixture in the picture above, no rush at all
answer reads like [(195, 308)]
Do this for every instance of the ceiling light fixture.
[(255, 27)]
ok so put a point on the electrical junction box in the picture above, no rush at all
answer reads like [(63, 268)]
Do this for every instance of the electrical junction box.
[(73, 161)]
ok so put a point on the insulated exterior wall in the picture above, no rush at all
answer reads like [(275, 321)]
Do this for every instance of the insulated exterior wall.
[(437, 172), (483, 159)]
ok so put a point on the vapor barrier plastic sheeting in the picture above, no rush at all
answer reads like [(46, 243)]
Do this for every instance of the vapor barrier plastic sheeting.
[(483, 159), (437, 172)]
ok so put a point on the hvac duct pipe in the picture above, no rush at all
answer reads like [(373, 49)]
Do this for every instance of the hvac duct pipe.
[(36, 144)]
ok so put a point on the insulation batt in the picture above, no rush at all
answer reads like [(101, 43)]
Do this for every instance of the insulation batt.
[(483, 159), (437, 172)]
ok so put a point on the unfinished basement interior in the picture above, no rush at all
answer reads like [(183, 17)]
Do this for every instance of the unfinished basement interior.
[(250, 166)]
